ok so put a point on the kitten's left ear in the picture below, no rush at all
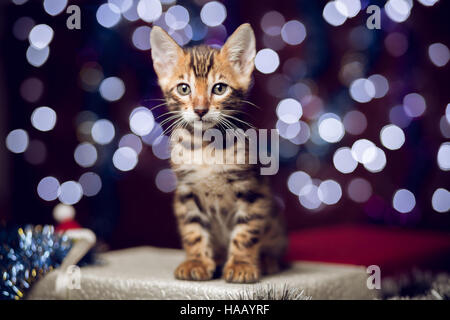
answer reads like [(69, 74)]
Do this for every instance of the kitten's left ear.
[(240, 49), (165, 52)]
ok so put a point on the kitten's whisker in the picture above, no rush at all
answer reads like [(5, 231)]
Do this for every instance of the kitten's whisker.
[(174, 123), (237, 119), (158, 106), (168, 119), (154, 99), (250, 103), (166, 113)]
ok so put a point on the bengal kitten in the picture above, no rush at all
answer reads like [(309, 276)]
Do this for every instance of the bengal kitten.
[(226, 213)]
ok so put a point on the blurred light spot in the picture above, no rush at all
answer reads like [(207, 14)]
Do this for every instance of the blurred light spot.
[(43, 118), (396, 44), (332, 14), (36, 152), (122, 5), (404, 201), (304, 134), (213, 13), (288, 149), (199, 30), (161, 147), (293, 32), (90, 183), (37, 57), (112, 88), (85, 154), (132, 141), (131, 14), (40, 36), (273, 42), (289, 110), (344, 161), (444, 126), (329, 192), (91, 74), (183, 36), (63, 212), (286, 130), (22, 27), (177, 17), (150, 138), (297, 180), (103, 131), (362, 147), (428, 3), (141, 37), (272, 22), (443, 156), (48, 188), (309, 197), (331, 128), (392, 137), (166, 180), (398, 116), (31, 89), (362, 90), (54, 7), (447, 112), (19, 2), (414, 105), (398, 10), (359, 190), (267, 61), (376, 159), (348, 8), (439, 54), (17, 141), (108, 15), (141, 121), (381, 85), (125, 159), (355, 122), (70, 192), (441, 200), (312, 106)]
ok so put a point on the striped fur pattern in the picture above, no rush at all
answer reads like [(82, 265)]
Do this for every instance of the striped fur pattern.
[(226, 214)]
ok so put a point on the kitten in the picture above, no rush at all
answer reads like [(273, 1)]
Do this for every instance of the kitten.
[(226, 214)]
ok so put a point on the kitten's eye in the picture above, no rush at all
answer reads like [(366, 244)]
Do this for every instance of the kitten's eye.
[(183, 89), (219, 88)]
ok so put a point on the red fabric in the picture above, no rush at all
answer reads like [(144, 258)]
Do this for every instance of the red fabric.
[(67, 225), (393, 250)]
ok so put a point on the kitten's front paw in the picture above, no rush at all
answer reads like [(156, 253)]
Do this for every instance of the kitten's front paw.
[(195, 270), (241, 272)]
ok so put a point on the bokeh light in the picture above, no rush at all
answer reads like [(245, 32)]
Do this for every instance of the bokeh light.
[(85, 154), (293, 32), (332, 14), (443, 156), (404, 201), (359, 190), (54, 7), (70, 192), (374, 160), (125, 159), (103, 131), (362, 90), (108, 15), (213, 13), (141, 37), (441, 200), (355, 122), (309, 197), (177, 17), (48, 188), (267, 61), (348, 8), (37, 57), (166, 180), (297, 181), (414, 105), (381, 85), (288, 130), (331, 128), (132, 141), (43, 118), (439, 54), (392, 137), (40, 36), (344, 161), (272, 22), (17, 141), (289, 110), (329, 192), (149, 10), (141, 121), (91, 183), (398, 10), (112, 89)]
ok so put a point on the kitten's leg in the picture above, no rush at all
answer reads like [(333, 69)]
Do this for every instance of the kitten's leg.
[(243, 265), (194, 228)]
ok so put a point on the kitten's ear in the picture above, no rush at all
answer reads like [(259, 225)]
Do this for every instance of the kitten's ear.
[(240, 49), (165, 51)]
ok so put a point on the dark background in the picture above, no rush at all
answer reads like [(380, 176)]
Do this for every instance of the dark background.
[(130, 210)]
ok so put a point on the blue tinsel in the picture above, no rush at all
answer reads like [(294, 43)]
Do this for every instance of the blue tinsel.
[(26, 254)]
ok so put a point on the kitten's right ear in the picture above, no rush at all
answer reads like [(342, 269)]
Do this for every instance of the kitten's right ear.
[(165, 51)]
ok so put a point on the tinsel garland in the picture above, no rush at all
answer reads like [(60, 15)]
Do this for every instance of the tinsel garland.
[(27, 254)]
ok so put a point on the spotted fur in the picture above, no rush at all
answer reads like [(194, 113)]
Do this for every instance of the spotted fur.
[(226, 213)]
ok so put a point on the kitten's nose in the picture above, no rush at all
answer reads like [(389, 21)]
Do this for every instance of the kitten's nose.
[(201, 111)]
